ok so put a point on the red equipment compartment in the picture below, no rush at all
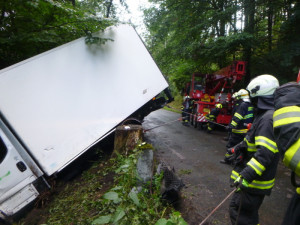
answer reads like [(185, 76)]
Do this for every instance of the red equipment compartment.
[(206, 90)]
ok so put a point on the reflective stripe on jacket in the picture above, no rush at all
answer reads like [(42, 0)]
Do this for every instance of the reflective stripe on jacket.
[(214, 113), (287, 125), (243, 115), (256, 184)]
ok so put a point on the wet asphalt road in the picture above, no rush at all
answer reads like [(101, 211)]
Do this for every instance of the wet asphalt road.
[(195, 155)]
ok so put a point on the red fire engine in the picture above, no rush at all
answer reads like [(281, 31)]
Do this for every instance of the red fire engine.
[(206, 90)]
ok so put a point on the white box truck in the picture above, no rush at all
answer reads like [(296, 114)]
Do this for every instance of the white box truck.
[(56, 105)]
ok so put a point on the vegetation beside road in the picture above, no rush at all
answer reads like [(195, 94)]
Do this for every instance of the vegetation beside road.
[(175, 106), (105, 194)]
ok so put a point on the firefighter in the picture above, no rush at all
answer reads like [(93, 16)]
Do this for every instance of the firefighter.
[(238, 127), (286, 122), (186, 110), (212, 117), (236, 102), (257, 156)]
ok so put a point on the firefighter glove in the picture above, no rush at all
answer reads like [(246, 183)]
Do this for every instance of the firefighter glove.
[(239, 148), (240, 183), (233, 156), (239, 159)]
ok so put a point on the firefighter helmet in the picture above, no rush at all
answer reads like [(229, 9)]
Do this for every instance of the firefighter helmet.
[(235, 96), (263, 85), (219, 106), (186, 97), (243, 94)]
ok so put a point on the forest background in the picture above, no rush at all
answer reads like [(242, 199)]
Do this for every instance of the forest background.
[(183, 36)]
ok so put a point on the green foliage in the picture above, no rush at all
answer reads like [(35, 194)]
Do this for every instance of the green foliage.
[(94, 200), (191, 36), (175, 106), (175, 219), (123, 204), (31, 27)]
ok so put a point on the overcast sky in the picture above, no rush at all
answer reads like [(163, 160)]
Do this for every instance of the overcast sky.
[(136, 14)]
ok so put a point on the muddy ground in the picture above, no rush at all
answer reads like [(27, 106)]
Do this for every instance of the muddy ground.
[(195, 155)]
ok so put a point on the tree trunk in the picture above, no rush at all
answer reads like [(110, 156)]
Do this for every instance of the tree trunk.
[(108, 9), (127, 137), (270, 24), (249, 8), (222, 6), (235, 17), (288, 7)]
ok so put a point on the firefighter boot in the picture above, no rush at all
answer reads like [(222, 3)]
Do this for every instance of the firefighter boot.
[(225, 161), (209, 129), (185, 123)]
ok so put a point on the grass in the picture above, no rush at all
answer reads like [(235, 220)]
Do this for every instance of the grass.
[(183, 172), (175, 106)]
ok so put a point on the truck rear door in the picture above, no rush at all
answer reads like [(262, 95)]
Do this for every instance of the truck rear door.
[(16, 189)]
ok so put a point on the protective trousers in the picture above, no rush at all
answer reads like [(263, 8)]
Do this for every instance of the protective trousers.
[(210, 126), (234, 139), (185, 115), (244, 208), (292, 215)]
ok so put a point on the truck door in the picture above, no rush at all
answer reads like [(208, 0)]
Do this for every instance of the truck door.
[(16, 188)]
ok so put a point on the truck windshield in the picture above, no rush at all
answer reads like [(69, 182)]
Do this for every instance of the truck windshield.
[(3, 150)]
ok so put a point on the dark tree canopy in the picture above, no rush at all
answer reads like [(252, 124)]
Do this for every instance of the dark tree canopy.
[(205, 35), (184, 36), (28, 28)]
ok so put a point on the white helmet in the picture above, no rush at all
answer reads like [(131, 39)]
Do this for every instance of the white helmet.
[(243, 94), (234, 95), (186, 97), (263, 85), (219, 106)]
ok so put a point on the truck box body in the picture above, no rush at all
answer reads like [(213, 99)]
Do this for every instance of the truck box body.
[(60, 103)]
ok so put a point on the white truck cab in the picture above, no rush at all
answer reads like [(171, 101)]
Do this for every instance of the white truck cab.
[(17, 178)]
